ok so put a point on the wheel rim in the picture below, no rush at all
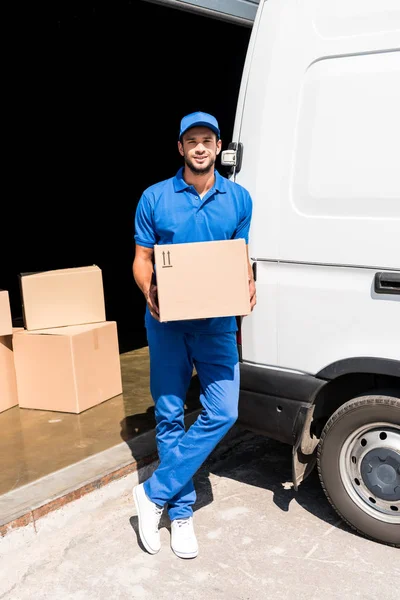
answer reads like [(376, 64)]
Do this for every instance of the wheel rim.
[(369, 464)]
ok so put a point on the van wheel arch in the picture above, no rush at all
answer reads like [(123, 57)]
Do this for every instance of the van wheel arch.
[(328, 400), (346, 387)]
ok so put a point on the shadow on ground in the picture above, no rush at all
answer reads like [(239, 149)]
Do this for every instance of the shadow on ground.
[(266, 463)]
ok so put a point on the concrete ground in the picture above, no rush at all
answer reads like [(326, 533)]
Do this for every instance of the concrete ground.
[(258, 540)]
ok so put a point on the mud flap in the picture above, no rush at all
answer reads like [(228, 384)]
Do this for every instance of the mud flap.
[(304, 453)]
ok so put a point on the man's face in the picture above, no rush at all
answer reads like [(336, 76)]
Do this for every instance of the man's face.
[(199, 148)]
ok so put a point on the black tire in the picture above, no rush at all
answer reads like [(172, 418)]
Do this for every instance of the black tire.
[(364, 431)]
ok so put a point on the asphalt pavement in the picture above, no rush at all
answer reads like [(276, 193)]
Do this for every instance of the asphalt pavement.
[(258, 540)]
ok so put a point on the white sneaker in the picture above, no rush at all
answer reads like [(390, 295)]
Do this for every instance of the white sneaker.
[(149, 515), (183, 538)]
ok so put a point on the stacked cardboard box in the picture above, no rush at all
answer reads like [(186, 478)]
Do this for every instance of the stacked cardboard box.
[(8, 384), (67, 355)]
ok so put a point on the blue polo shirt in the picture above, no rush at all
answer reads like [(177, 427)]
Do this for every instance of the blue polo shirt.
[(172, 212)]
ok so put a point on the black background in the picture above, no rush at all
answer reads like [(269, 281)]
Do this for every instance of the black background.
[(102, 102)]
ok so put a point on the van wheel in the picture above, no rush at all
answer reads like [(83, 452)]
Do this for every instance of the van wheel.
[(358, 462)]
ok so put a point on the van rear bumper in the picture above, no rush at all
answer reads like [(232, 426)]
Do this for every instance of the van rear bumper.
[(274, 403)]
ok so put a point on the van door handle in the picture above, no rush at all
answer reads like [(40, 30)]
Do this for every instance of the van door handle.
[(387, 283)]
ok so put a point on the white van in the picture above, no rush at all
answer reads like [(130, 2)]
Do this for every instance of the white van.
[(317, 143)]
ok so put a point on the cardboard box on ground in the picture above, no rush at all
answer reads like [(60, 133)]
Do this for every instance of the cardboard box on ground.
[(5, 314), (67, 355), (67, 369), (8, 383), (202, 279), (62, 297)]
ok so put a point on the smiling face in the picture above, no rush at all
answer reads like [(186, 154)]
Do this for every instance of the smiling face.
[(199, 148)]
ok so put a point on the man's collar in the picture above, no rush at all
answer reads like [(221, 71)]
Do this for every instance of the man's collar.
[(180, 184)]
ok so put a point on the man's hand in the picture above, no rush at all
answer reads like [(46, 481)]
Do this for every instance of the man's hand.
[(152, 302), (252, 283), (143, 273), (252, 292)]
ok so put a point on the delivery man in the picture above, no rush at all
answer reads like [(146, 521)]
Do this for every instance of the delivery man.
[(196, 205)]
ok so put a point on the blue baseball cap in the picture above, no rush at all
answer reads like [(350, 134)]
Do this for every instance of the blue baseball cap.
[(199, 119)]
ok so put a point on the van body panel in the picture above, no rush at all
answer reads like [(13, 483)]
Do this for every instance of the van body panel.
[(275, 403), (328, 313), (344, 164), (362, 364), (260, 328), (241, 12), (301, 96), (316, 143), (318, 119)]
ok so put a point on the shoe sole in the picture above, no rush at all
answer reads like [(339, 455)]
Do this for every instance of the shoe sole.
[(185, 555), (149, 549)]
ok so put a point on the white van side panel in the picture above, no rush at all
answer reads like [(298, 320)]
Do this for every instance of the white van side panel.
[(331, 313), (261, 326), (343, 203), (320, 128), (318, 117)]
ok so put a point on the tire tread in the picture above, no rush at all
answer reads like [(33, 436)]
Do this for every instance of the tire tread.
[(341, 411)]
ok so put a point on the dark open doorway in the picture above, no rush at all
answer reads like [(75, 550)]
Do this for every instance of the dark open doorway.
[(105, 104)]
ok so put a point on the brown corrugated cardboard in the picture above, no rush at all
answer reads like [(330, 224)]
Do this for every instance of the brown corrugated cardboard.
[(8, 382), (202, 279), (5, 314), (62, 297), (67, 369)]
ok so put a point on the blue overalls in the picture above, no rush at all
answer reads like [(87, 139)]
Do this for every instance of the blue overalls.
[(172, 212)]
